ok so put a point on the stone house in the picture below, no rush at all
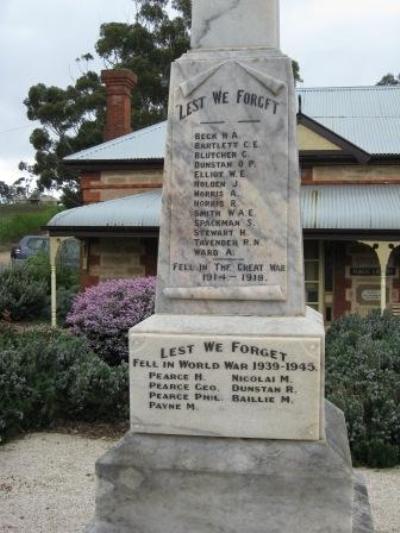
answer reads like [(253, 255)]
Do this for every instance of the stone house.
[(349, 146)]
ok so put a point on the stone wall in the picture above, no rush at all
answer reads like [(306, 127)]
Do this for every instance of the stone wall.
[(111, 184), (351, 174), (111, 258)]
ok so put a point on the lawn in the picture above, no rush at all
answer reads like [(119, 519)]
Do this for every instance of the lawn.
[(22, 219)]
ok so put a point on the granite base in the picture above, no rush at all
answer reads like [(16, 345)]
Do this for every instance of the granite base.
[(181, 484)]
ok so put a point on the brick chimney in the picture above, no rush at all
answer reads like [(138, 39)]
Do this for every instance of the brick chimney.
[(119, 85)]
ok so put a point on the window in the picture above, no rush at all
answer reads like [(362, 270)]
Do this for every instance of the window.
[(313, 251), (37, 244)]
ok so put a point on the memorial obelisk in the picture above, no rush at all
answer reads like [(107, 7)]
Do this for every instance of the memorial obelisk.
[(229, 428)]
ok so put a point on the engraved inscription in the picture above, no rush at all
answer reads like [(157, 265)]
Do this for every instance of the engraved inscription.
[(232, 189), (268, 380)]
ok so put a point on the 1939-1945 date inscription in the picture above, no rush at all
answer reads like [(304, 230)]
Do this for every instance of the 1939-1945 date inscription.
[(192, 375)]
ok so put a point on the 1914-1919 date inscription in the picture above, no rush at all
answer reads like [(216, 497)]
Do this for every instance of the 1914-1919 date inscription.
[(225, 220)]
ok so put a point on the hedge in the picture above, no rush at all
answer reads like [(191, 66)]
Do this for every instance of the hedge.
[(48, 375), (363, 379)]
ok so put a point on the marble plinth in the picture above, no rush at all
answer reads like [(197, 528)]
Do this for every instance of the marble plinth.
[(229, 23), (171, 484), (230, 233), (251, 377)]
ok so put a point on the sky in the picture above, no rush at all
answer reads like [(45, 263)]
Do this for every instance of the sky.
[(336, 42)]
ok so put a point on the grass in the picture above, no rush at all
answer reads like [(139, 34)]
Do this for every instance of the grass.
[(22, 219)]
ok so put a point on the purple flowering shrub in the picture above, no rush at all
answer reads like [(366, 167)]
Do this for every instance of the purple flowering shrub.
[(104, 313)]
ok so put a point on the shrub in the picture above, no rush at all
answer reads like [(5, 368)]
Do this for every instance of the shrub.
[(65, 298), (25, 290), (47, 375), (104, 314), (39, 269), (21, 297), (363, 379)]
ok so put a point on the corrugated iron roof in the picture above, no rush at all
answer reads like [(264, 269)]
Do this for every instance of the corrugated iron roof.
[(147, 143), (350, 207), (139, 211), (374, 135), (324, 207), (374, 101), (368, 117)]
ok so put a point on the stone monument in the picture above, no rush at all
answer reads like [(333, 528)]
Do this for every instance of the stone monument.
[(229, 428)]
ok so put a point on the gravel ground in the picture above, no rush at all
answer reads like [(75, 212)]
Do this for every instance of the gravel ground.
[(384, 492), (5, 260), (47, 485)]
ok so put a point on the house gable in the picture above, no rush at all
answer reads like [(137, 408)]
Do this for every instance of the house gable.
[(310, 140), (317, 142)]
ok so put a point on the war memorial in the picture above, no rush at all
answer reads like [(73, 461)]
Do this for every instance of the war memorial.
[(230, 430)]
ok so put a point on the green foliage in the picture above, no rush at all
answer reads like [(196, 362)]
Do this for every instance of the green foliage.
[(22, 219), (184, 7), (21, 297), (73, 118), (363, 379), (19, 190), (25, 289), (65, 299), (148, 47), (389, 79), (296, 71), (5, 192), (47, 375), (38, 267)]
